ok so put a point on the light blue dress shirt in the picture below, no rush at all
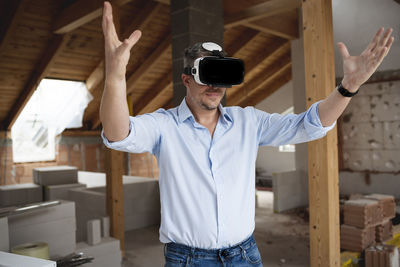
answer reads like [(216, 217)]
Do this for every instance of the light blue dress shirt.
[(207, 184)]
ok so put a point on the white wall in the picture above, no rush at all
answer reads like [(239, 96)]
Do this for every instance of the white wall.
[(269, 159), (355, 22)]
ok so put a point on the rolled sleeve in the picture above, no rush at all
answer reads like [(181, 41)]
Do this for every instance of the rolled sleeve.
[(313, 125), (144, 135)]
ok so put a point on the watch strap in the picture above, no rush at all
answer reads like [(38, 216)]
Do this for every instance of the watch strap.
[(344, 92)]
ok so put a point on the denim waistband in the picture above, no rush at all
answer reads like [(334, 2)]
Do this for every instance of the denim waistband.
[(210, 253)]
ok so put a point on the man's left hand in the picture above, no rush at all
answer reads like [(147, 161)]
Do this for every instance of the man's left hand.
[(358, 69)]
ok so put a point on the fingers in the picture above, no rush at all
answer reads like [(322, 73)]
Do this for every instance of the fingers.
[(375, 41), (133, 38), (386, 37), (108, 24), (343, 50)]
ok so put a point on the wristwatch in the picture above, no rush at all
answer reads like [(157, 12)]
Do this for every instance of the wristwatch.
[(344, 92)]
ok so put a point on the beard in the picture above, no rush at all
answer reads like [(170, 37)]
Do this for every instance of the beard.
[(212, 106)]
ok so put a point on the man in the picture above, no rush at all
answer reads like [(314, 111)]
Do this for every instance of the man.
[(206, 153)]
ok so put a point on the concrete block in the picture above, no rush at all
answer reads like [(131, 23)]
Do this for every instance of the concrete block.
[(359, 110), (11, 259), (369, 183), (374, 89), (20, 194), (290, 190), (141, 220), (54, 192), (105, 227), (107, 246), (55, 175), (106, 261), (363, 135), (93, 232), (386, 160), (44, 230), (52, 213), (4, 240), (357, 160), (391, 135), (385, 107)]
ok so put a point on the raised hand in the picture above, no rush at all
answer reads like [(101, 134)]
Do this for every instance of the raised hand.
[(358, 69), (117, 53)]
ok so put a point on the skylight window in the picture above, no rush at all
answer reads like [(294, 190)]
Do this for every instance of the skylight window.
[(54, 106)]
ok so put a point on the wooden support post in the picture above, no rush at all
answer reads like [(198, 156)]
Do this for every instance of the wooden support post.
[(322, 154), (114, 172)]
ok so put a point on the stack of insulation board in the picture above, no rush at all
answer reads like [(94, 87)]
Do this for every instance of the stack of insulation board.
[(20, 194), (141, 204), (54, 225), (382, 256), (56, 181), (106, 253)]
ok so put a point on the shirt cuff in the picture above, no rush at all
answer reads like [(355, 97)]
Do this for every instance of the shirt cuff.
[(118, 145)]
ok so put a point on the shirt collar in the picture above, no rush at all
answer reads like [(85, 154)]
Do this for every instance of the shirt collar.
[(185, 113)]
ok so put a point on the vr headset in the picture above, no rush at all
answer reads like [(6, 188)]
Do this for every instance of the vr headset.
[(216, 70)]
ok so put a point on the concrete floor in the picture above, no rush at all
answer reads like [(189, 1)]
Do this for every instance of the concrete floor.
[(282, 239)]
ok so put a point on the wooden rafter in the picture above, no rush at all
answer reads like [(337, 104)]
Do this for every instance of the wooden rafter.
[(265, 76), (151, 62), (284, 25), (80, 13), (279, 79), (267, 54), (140, 22), (54, 47), (259, 11), (10, 20), (150, 99)]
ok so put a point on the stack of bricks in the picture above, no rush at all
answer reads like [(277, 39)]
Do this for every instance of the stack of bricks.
[(382, 256), (367, 222)]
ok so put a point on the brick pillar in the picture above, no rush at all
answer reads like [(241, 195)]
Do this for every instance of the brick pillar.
[(192, 21)]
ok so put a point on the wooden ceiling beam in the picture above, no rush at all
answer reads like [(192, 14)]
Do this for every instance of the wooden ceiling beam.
[(285, 25), (11, 14), (244, 39), (150, 63), (263, 78), (79, 13), (269, 53), (281, 77), (140, 22), (54, 47), (263, 10), (149, 101)]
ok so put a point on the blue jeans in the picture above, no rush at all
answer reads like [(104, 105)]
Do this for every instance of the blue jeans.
[(244, 254)]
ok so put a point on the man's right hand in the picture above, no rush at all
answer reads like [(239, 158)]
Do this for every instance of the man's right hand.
[(117, 53)]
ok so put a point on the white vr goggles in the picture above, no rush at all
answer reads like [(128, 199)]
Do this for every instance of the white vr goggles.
[(216, 70)]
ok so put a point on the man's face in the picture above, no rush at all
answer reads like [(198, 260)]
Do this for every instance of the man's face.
[(202, 96)]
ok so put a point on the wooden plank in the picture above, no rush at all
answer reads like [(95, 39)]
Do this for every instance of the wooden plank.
[(261, 80), (323, 153), (53, 49), (79, 13), (285, 25), (269, 53), (11, 14), (148, 101), (140, 22), (259, 11), (151, 62)]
